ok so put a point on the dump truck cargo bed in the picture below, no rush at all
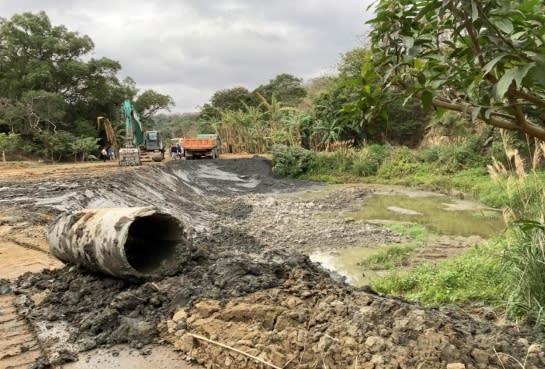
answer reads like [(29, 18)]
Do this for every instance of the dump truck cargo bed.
[(200, 146)]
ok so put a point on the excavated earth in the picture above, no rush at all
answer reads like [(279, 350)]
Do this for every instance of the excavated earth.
[(246, 295)]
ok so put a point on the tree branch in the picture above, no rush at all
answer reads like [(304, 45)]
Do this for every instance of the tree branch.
[(495, 120), (523, 95)]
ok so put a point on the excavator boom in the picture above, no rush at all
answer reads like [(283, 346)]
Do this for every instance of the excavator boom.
[(129, 154), (139, 145)]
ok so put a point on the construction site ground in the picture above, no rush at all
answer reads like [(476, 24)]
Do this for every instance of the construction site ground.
[(246, 296)]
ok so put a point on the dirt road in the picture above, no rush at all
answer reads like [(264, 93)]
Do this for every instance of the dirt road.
[(245, 286)]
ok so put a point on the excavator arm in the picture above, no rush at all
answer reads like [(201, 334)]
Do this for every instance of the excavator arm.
[(139, 145), (133, 126), (129, 154)]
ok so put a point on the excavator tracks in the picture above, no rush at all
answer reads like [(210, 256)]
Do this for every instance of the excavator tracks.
[(18, 346)]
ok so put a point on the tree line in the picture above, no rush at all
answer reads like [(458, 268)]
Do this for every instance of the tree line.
[(481, 58), (51, 91), (484, 59)]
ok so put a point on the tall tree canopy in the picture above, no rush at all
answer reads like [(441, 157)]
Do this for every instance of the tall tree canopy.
[(483, 57), (38, 56), (51, 90), (287, 89), (233, 99), (150, 102)]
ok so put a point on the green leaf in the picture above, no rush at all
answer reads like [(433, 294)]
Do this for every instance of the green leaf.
[(516, 74), (505, 81), (537, 75), (474, 11), (522, 71), (488, 67), (421, 79), (475, 113), (408, 41), (488, 112), (517, 35), (503, 24), (427, 98)]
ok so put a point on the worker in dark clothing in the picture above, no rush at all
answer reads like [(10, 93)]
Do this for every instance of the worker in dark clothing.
[(173, 152)]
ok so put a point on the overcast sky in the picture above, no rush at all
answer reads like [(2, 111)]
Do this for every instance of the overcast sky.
[(191, 48)]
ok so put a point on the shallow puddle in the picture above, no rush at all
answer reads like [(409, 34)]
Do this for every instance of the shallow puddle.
[(439, 214), (345, 263)]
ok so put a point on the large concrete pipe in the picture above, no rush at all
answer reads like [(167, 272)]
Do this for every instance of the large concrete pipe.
[(123, 242)]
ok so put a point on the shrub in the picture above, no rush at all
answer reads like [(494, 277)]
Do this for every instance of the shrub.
[(291, 161), (401, 162)]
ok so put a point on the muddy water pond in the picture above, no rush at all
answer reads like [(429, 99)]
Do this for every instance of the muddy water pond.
[(439, 214)]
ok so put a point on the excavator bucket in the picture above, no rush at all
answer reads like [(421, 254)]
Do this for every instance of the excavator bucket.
[(129, 156)]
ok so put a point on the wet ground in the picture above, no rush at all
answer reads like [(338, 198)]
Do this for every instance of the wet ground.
[(246, 283)]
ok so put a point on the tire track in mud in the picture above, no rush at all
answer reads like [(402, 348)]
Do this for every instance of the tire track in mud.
[(18, 346)]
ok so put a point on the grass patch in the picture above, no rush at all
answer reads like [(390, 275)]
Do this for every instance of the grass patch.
[(476, 275), (393, 256), (389, 257)]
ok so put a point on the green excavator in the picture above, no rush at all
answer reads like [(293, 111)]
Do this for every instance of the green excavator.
[(139, 146)]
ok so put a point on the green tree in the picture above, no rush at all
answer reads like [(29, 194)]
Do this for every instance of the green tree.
[(235, 98), (54, 145), (11, 115), (349, 67), (38, 56), (42, 110), (39, 59), (8, 143), (287, 89), (355, 109), (83, 146), (481, 57), (150, 102)]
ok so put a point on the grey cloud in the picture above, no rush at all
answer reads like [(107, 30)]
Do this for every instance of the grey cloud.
[(191, 48)]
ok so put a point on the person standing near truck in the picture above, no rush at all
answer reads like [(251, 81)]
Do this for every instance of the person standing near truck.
[(173, 152), (180, 151)]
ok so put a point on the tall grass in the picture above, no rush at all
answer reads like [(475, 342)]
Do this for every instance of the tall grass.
[(524, 257)]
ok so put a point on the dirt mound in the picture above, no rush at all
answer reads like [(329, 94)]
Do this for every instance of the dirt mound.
[(311, 322), (102, 311)]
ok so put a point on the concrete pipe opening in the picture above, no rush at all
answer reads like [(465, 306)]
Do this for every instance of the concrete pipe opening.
[(151, 241), (123, 242)]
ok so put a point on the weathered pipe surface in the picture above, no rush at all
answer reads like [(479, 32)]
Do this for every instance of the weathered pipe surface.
[(123, 242)]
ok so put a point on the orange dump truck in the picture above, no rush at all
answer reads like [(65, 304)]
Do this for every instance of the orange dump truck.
[(207, 145)]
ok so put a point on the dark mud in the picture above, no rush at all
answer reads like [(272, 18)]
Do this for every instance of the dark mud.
[(243, 281), (238, 176), (106, 311)]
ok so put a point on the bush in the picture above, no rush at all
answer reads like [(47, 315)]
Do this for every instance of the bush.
[(369, 163), (450, 158), (291, 161), (401, 162)]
